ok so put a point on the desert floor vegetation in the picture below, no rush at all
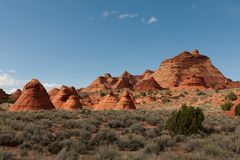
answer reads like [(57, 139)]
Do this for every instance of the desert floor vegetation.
[(115, 135)]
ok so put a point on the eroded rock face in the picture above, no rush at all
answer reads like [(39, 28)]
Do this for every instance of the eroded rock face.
[(66, 99), (123, 83), (190, 70), (72, 103), (126, 102), (52, 93), (14, 96), (101, 83), (147, 85), (146, 74), (194, 82), (33, 97), (3, 95), (108, 102), (187, 71), (106, 82)]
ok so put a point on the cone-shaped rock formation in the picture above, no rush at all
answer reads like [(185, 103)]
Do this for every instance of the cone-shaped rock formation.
[(108, 102), (190, 70), (66, 98), (3, 95), (126, 102), (147, 85), (14, 96), (33, 97)]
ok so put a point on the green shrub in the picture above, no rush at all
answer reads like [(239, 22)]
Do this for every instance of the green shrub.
[(137, 128), (237, 110), (231, 96), (192, 145), (6, 156), (70, 146), (108, 154), (116, 124), (104, 137), (186, 121), (9, 139), (160, 145), (130, 144), (200, 93), (143, 94), (227, 106), (165, 100)]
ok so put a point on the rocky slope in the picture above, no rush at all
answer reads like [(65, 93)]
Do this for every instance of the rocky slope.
[(186, 71), (191, 71), (66, 98)]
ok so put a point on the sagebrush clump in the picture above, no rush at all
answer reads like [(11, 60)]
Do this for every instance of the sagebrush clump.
[(186, 121), (227, 106), (237, 110), (231, 96)]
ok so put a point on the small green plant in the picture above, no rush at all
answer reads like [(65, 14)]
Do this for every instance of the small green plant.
[(6, 156), (237, 110), (186, 121), (104, 137), (200, 93), (130, 144), (227, 106), (108, 153), (137, 128), (143, 94), (231, 96), (165, 100)]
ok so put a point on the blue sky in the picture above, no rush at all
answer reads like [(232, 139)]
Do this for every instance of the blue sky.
[(72, 42)]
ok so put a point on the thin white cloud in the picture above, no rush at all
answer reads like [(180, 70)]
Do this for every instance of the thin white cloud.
[(106, 14), (9, 84), (152, 20), (7, 80), (11, 90), (127, 15), (12, 71), (51, 85)]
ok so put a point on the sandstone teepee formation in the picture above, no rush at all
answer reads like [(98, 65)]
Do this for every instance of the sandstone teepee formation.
[(108, 102), (3, 95), (72, 103), (190, 71), (126, 102), (146, 74), (186, 71), (33, 97), (14, 96), (111, 101), (66, 98), (53, 92), (147, 85)]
